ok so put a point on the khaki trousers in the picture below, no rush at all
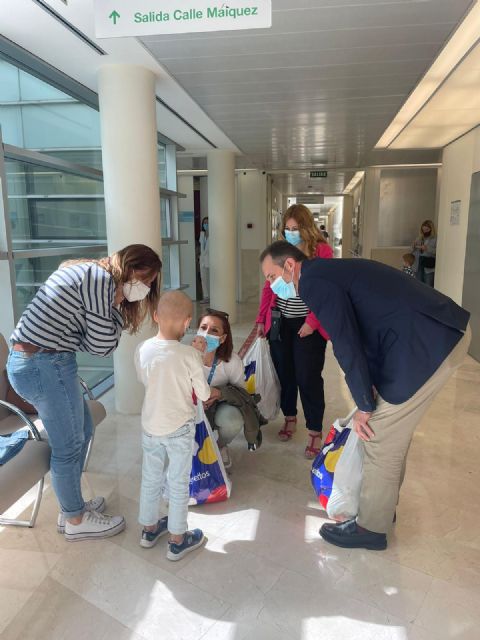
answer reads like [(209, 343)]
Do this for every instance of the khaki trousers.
[(385, 455)]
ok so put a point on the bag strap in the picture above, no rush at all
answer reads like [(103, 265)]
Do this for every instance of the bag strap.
[(212, 370)]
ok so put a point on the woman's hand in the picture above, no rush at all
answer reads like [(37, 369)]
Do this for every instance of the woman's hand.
[(260, 330), (305, 330), (118, 297), (215, 394)]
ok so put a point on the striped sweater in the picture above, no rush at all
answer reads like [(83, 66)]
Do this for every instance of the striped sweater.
[(73, 311)]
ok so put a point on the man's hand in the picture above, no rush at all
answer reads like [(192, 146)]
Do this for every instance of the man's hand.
[(260, 330), (305, 330), (360, 425), (215, 394)]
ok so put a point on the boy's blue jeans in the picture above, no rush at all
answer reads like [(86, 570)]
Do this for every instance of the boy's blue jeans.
[(167, 457), (50, 382)]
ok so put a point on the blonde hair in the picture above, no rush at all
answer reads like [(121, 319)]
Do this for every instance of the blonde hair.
[(427, 223), (309, 233), (122, 265)]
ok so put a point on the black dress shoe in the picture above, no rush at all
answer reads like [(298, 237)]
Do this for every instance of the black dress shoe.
[(346, 534)]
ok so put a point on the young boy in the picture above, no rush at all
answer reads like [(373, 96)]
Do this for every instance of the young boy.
[(408, 260), (170, 371)]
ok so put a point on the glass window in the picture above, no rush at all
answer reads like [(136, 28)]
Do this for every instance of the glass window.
[(50, 206), (162, 166), (165, 218), (49, 209), (166, 274), (35, 115)]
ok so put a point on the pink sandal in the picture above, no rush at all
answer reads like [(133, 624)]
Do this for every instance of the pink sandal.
[(311, 451), (285, 434)]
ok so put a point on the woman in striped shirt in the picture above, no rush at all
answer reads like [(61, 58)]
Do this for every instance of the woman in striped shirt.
[(83, 306), (298, 347)]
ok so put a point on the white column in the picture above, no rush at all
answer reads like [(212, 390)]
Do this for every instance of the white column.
[(132, 198), (222, 230)]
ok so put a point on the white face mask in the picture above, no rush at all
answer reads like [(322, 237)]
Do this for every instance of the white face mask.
[(134, 290)]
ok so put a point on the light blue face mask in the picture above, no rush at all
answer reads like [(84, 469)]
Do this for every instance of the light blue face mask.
[(213, 342), (293, 237), (282, 289)]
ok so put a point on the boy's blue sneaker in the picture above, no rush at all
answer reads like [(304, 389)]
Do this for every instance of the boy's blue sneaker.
[(150, 538), (191, 540)]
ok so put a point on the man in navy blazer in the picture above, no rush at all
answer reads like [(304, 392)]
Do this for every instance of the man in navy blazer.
[(398, 342)]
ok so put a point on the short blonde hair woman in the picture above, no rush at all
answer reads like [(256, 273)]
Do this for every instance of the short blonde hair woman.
[(83, 306)]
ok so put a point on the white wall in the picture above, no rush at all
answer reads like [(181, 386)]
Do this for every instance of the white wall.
[(186, 231), (460, 160), (251, 209)]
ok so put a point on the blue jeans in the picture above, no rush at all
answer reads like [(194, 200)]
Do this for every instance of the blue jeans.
[(50, 382), (167, 456)]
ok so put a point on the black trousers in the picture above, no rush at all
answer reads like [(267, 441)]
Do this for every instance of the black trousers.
[(299, 365)]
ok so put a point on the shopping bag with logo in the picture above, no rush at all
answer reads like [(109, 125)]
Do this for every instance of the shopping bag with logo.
[(261, 378), (209, 481), (326, 465), (347, 480)]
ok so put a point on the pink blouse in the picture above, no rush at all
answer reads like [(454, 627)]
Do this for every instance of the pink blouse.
[(269, 299)]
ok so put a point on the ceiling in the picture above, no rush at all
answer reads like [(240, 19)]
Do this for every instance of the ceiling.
[(319, 87)]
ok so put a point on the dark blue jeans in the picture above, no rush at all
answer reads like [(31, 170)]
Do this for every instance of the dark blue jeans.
[(50, 382)]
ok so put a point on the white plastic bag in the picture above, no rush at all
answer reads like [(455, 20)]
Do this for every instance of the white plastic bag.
[(261, 377), (347, 480)]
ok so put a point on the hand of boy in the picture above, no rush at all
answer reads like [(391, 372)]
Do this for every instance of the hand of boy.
[(200, 344)]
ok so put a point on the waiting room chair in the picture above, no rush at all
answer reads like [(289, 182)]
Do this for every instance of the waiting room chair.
[(29, 467)]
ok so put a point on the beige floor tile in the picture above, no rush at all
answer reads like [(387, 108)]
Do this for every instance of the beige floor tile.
[(21, 573), (54, 612)]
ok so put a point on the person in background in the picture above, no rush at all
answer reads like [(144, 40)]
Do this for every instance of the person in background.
[(297, 340), (408, 262), (170, 371), (204, 261), (83, 306), (324, 231), (425, 251), (221, 366)]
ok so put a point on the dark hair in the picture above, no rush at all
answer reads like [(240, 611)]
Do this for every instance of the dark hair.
[(322, 227), (204, 220), (279, 251), (225, 350)]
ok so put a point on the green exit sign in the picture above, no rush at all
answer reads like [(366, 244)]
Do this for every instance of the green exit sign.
[(318, 174)]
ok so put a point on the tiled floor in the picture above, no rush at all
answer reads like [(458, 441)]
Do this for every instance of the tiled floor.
[(265, 574)]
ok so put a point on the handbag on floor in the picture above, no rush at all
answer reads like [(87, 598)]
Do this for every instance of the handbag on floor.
[(337, 471), (261, 378)]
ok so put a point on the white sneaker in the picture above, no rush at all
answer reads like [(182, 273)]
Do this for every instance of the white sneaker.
[(94, 526), (97, 504), (225, 453)]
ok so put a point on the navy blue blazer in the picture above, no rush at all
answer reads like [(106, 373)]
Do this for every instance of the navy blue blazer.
[(387, 329)]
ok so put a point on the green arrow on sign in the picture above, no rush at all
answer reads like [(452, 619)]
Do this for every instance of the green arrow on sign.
[(114, 16)]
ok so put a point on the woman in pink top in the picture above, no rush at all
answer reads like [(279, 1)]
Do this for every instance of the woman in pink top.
[(297, 339)]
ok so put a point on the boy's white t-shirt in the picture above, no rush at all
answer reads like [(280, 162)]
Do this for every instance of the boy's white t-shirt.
[(170, 371), (231, 372)]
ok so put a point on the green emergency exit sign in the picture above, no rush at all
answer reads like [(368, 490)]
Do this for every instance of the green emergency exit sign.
[(318, 174)]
